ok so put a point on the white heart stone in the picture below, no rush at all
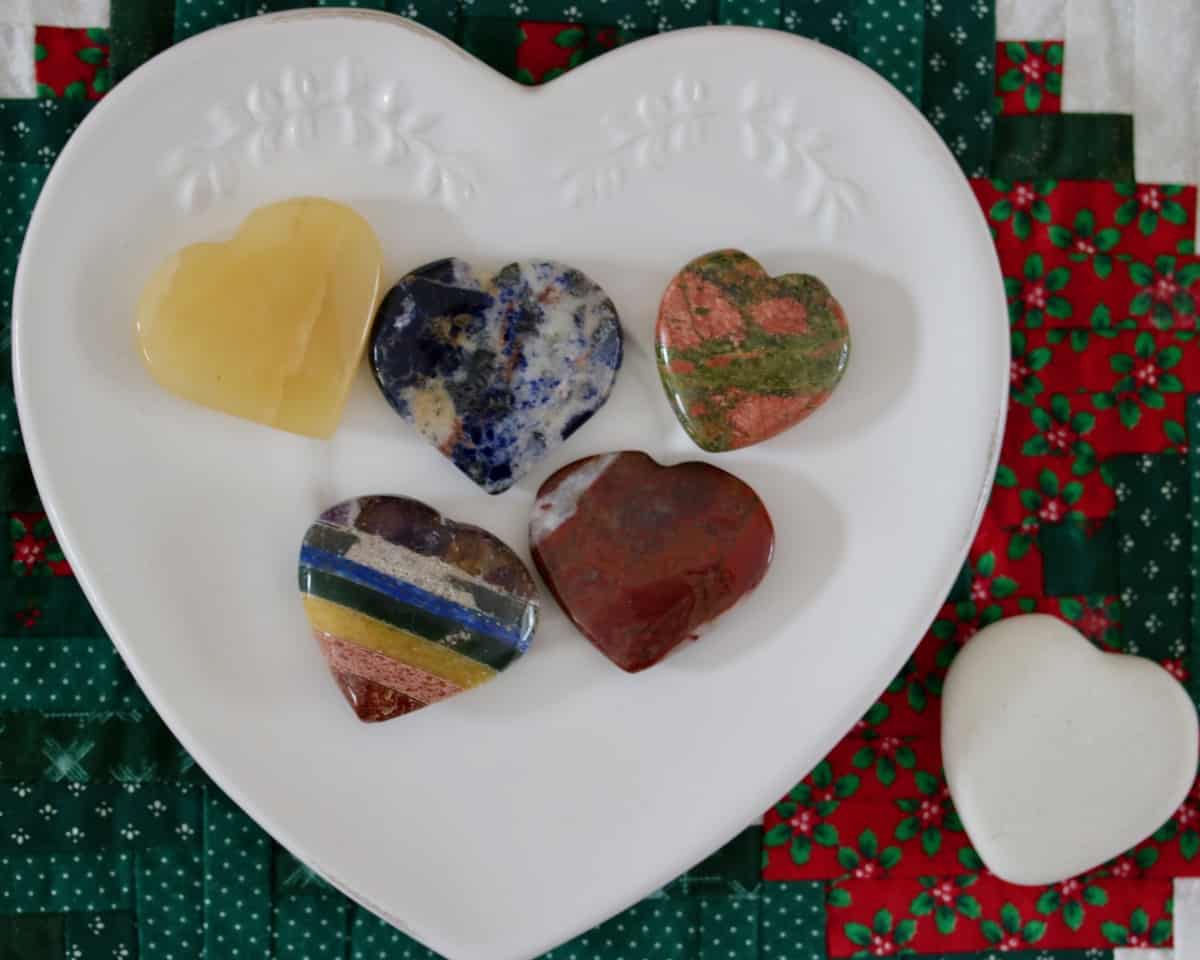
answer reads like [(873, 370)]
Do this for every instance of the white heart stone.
[(1059, 756)]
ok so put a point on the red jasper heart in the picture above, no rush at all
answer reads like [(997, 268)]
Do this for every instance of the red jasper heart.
[(640, 555)]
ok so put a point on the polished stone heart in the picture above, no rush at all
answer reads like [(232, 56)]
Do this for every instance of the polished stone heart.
[(496, 372), (1059, 756), (640, 556), (410, 608), (743, 355), (270, 325)]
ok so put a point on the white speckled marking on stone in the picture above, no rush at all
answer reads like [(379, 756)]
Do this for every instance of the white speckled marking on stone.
[(553, 509)]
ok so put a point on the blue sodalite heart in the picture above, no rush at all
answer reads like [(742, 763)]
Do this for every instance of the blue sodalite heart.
[(496, 372)]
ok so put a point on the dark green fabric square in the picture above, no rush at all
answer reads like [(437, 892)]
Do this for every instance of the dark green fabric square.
[(32, 937), (1064, 146), (1078, 561)]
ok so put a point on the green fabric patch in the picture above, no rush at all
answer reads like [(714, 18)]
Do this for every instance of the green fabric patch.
[(100, 936), (139, 29), (17, 489), (34, 131), (1193, 466), (290, 876), (792, 921), (655, 929), (170, 903), (959, 80), (1078, 561), (20, 184), (45, 607), (889, 37), (494, 41), (90, 749), (316, 926), (1064, 146), (49, 817), (33, 937), (375, 939), (752, 13), (196, 16), (66, 676), (728, 928), (61, 882), (734, 870), (1154, 553), (237, 882), (826, 21)]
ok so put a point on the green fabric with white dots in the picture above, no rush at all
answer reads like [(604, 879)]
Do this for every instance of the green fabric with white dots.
[(1193, 467), (170, 903), (1153, 553)]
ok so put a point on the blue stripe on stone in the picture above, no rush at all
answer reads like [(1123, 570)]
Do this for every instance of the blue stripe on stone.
[(407, 593)]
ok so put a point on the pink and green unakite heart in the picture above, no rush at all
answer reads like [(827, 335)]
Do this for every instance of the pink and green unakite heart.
[(640, 555), (409, 607), (744, 355)]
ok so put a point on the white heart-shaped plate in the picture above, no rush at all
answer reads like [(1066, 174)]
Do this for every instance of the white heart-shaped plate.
[(565, 790), (1059, 756)]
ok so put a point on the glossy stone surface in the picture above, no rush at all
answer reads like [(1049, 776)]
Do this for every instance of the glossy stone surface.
[(743, 355), (640, 556), (496, 372), (410, 608), (270, 325)]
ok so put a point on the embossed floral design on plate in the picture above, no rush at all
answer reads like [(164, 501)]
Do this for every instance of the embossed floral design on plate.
[(662, 126), (301, 108)]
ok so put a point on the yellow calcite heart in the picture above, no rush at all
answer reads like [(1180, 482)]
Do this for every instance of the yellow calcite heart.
[(270, 325)]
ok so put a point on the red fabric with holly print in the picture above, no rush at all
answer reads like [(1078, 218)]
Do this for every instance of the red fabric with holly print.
[(1029, 76), (35, 549), (968, 912), (548, 50), (71, 62), (1102, 285)]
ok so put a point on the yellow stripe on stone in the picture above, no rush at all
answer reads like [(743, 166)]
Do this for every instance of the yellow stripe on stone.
[(393, 642)]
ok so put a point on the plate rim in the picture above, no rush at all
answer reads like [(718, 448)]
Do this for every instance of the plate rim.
[(853, 707)]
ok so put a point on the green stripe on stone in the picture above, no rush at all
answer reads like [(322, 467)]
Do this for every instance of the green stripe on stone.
[(1064, 146), (441, 630), (492, 601)]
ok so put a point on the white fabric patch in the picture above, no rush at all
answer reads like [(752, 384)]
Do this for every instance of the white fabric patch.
[(1098, 74), (1166, 129), (1137, 953), (16, 61), (1187, 917), (55, 13), (1030, 19)]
